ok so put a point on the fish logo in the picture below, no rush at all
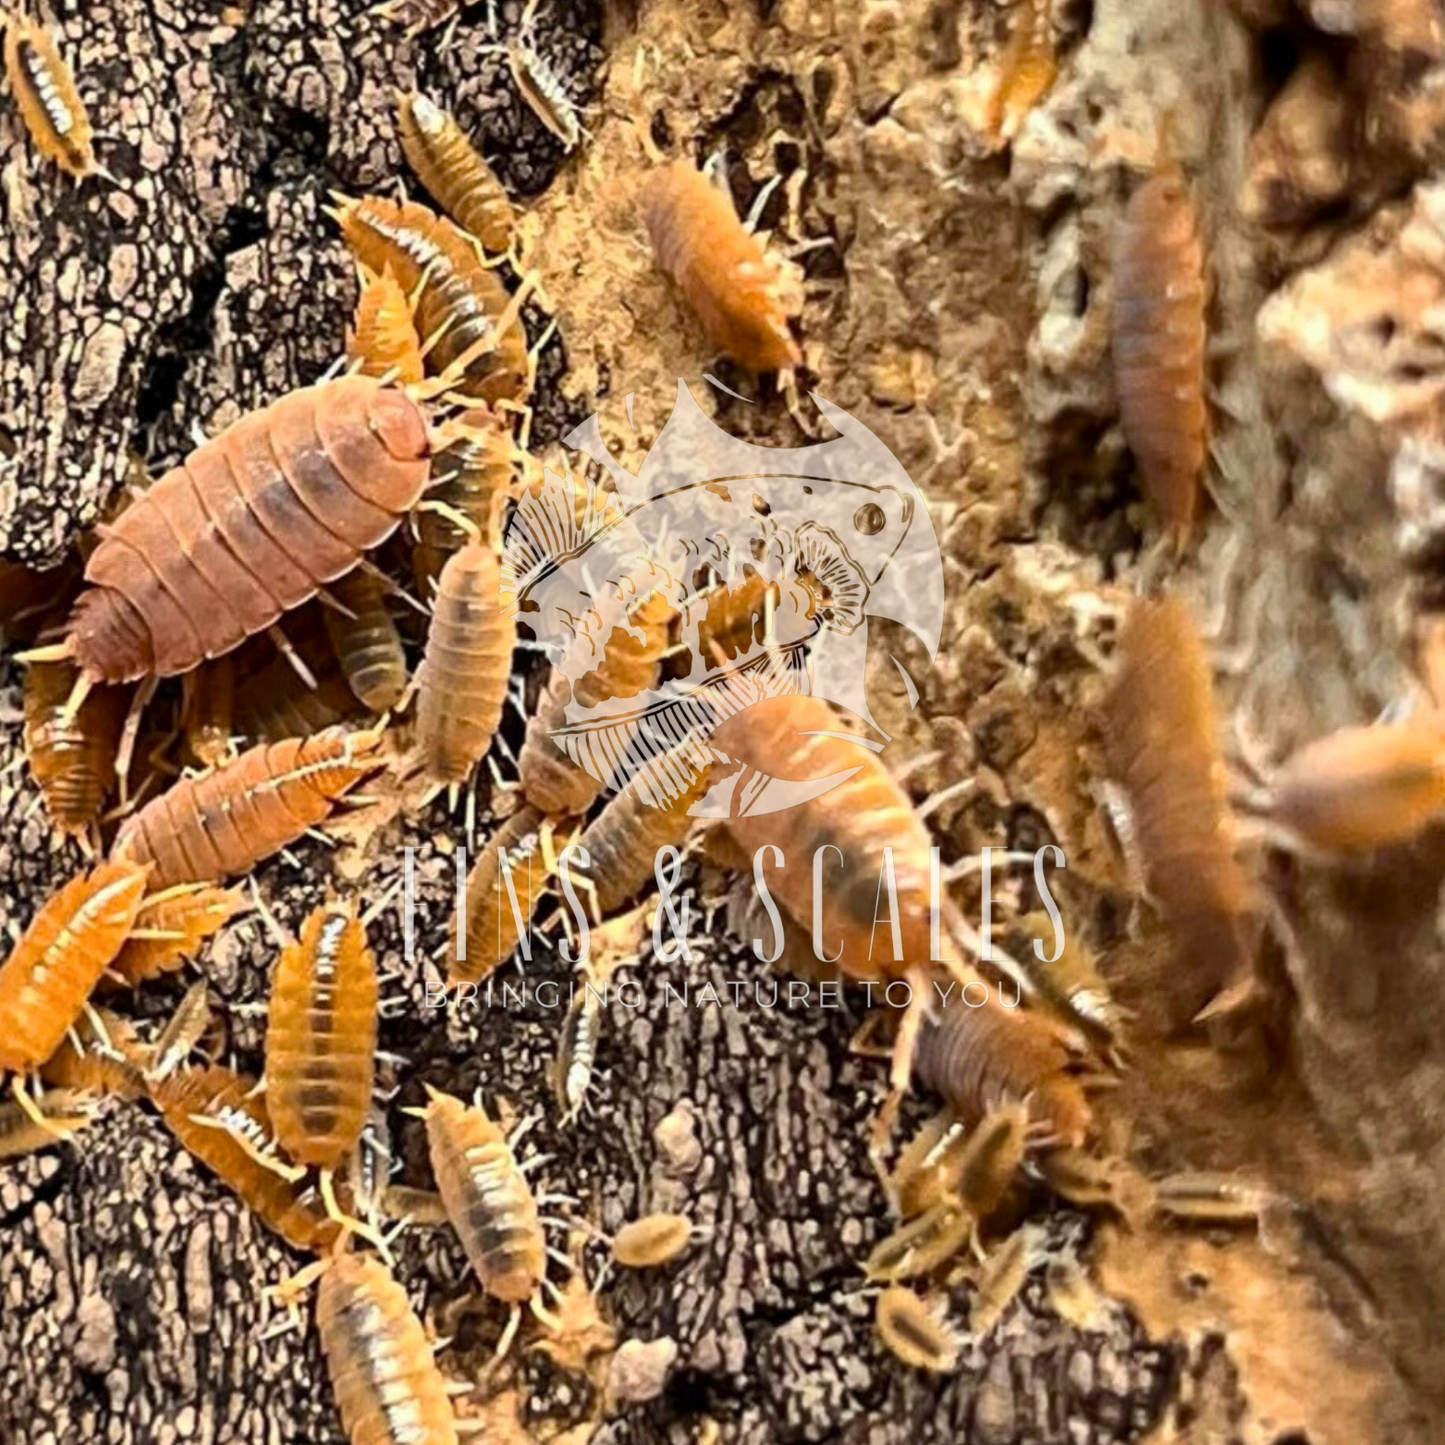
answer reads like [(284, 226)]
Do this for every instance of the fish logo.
[(771, 560)]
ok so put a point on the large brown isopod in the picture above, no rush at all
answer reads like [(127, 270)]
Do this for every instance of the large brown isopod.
[(225, 822), (467, 665), (721, 270), (250, 524), (49, 975), (1158, 343)]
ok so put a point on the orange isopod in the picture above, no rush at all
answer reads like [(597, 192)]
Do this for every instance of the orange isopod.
[(1362, 787), (212, 1111), (51, 971), (980, 1059), (44, 90), (321, 1039), (72, 754), (1158, 339), (383, 335), (720, 269), (175, 923), (487, 1198), (623, 840), (367, 644), (224, 822), (451, 169), (387, 1384), (492, 930), (471, 478), (629, 666), (1162, 746), (462, 310), (1026, 69), (467, 666), (799, 737)]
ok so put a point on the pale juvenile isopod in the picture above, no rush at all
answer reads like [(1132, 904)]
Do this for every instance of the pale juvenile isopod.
[(720, 269), (224, 822), (468, 662), (51, 972), (923, 1244), (367, 644), (1158, 340), (1072, 983), (383, 340), (183, 1031), (450, 167), (1003, 1276), (652, 1240), (252, 523), (975, 1167), (388, 1388), (914, 1331), (44, 90), (1206, 1197)]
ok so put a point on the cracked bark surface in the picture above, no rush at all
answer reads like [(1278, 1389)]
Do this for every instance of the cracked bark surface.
[(957, 303)]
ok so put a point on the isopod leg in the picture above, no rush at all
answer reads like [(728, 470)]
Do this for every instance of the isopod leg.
[(349, 1223), (125, 752), (33, 1111)]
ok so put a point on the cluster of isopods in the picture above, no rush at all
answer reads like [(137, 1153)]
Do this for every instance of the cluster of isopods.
[(247, 571)]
